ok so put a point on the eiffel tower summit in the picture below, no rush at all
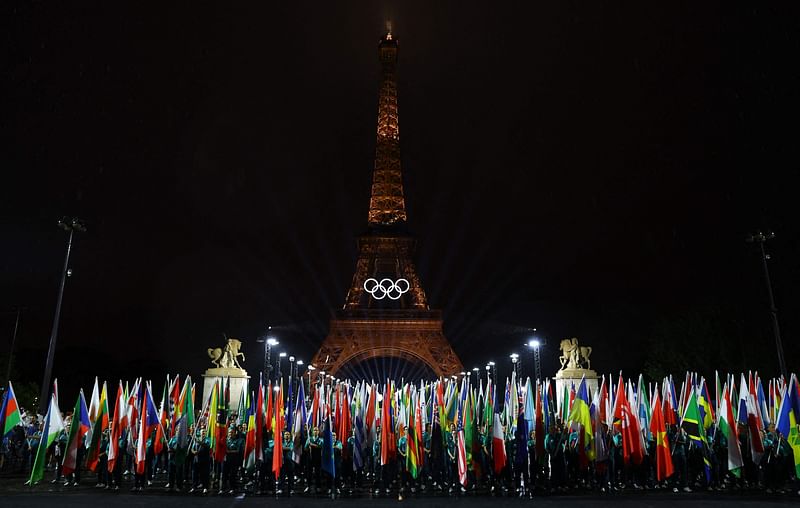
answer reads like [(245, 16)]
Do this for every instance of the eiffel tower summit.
[(386, 313)]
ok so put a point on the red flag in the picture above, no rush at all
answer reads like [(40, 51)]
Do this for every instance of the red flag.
[(664, 467), (277, 449), (628, 425)]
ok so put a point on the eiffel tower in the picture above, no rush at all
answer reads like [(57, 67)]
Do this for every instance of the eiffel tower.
[(386, 312)]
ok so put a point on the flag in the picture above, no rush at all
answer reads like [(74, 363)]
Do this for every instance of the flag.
[(727, 425), (53, 425), (664, 468), (250, 439), (99, 427), (628, 425), (148, 422), (117, 426), (10, 415), (748, 414), (77, 430), (412, 444), (461, 449), (299, 421), (788, 418), (328, 464), (580, 415), (692, 423), (498, 445), (277, 435), (94, 411)]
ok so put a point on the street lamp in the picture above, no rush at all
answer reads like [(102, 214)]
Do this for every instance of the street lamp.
[(281, 355), (514, 363), (533, 346), (310, 369), (760, 238), (70, 224)]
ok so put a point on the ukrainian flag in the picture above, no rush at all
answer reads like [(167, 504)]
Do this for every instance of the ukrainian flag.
[(580, 414)]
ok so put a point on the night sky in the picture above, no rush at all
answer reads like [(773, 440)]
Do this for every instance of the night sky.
[(588, 169)]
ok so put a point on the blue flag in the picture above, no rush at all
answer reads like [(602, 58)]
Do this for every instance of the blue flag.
[(328, 464)]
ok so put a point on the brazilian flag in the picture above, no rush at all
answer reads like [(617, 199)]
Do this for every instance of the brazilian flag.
[(692, 423)]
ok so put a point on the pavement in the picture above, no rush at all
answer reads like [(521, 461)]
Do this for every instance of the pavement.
[(156, 500)]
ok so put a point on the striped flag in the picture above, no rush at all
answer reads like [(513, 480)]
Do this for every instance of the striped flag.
[(77, 430)]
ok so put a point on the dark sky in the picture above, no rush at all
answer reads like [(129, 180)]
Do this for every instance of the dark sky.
[(589, 169)]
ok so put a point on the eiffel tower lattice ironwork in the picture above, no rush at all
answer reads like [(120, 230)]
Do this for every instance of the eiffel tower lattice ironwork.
[(399, 324)]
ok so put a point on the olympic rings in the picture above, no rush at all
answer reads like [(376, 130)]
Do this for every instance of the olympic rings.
[(386, 287)]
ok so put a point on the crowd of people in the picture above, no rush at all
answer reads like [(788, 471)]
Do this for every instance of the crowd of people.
[(449, 437)]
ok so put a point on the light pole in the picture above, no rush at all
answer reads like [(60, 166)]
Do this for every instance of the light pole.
[(477, 372), (281, 355), (514, 363), (533, 346), (269, 343), (70, 224), (761, 238), (310, 369)]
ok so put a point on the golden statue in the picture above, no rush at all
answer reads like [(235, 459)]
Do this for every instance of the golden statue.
[(227, 357)]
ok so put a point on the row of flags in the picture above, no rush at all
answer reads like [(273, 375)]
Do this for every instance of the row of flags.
[(639, 412)]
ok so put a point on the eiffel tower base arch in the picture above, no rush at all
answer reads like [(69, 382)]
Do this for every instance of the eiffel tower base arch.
[(415, 339)]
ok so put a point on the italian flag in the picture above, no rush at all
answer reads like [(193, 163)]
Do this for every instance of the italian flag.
[(53, 425)]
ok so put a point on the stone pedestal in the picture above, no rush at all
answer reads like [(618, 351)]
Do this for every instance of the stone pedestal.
[(238, 378), (568, 377)]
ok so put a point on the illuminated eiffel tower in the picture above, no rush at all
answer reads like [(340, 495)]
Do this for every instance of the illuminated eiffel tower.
[(386, 312)]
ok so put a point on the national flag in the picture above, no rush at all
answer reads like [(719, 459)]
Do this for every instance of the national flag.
[(727, 425), (10, 416), (277, 449), (99, 427), (117, 426), (580, 415), (748, 414), (498, 445), (148, 422), (788, 418), (328, 464), (299, 421), (692, 423), (664, 467), (540, 431), (249, 459), (628, 425), (53, 425), (77, 430), (94, 410)]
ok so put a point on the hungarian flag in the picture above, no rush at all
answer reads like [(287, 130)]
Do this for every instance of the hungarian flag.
[(628, 425), (664, 468), (9, 413), (53, 425), (727, 425), (498, 445), (77, 430), (94, 437)]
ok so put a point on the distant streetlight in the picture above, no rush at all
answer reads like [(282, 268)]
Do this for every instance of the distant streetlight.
[(761, 238), (70, 224), (533, 345), (514, 363), (269, 342)]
